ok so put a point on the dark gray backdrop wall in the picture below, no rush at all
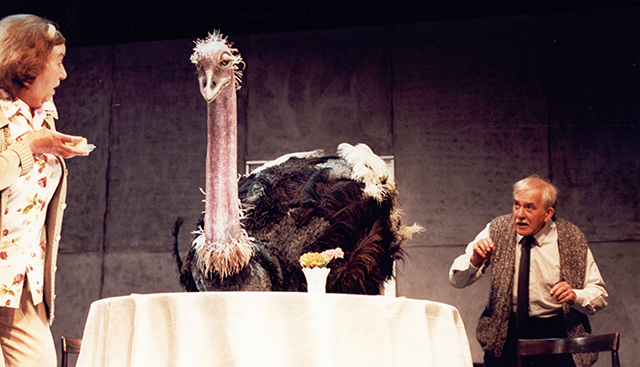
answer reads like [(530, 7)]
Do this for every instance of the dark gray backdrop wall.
[(466, 108)]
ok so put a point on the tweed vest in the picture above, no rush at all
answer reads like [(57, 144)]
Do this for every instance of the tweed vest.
[(494, 321)]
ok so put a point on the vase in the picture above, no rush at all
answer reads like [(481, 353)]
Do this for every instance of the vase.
[(316, 279)]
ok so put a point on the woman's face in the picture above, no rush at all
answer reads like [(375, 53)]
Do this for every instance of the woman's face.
[(45, 84)]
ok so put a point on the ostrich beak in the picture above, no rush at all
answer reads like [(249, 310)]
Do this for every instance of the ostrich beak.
[(211, 83)]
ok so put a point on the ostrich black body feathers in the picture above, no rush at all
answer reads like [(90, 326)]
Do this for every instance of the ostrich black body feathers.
[(309, 205)]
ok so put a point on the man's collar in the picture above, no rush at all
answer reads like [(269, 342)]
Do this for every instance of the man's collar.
[(541, 235)]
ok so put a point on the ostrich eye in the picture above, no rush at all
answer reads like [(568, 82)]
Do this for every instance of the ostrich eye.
[(224, 62)]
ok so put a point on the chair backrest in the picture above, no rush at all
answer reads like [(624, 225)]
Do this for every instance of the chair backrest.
[(585, 344), (69, 345)]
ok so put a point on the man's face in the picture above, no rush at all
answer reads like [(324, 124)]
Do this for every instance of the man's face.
[(529, 213), (43, 87)]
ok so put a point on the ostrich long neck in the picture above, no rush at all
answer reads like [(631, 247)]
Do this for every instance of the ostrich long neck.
[(222, 211)]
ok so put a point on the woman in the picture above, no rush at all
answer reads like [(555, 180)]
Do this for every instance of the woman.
[(32, 186)]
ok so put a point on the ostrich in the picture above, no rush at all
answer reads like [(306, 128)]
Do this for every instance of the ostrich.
[(254, 229)]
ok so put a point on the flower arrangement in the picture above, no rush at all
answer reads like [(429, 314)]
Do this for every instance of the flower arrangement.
[(320, 259)]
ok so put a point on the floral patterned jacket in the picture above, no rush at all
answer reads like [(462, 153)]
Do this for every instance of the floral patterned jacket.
[(17, 161)]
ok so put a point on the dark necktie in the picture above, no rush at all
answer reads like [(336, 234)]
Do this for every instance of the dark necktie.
[(522, 316)]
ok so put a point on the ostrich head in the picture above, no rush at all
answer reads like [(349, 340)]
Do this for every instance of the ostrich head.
[(218, 65)]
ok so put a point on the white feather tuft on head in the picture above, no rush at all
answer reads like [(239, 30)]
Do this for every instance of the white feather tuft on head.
[(369, 169), (204, 47)]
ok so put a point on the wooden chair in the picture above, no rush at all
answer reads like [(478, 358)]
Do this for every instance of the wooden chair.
[(69, 345), (587, 344)]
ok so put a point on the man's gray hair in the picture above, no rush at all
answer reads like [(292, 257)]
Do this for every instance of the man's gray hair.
[(534, 182)]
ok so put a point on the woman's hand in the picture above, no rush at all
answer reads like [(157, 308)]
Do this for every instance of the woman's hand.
[(53, 142)]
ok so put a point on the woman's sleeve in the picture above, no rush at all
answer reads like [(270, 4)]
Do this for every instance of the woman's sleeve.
[(15, 161)]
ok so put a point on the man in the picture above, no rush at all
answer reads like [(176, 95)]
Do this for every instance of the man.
[(564, 284)]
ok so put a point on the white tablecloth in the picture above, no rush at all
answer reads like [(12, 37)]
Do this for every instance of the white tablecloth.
[(272, 329)]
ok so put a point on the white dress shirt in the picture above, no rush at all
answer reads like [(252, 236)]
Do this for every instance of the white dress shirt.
[(544, 274)]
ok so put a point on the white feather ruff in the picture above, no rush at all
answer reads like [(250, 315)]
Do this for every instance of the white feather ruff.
[(225, 259)]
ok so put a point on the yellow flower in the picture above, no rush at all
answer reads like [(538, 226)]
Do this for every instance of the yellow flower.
[(320, 260), (313, 260)]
